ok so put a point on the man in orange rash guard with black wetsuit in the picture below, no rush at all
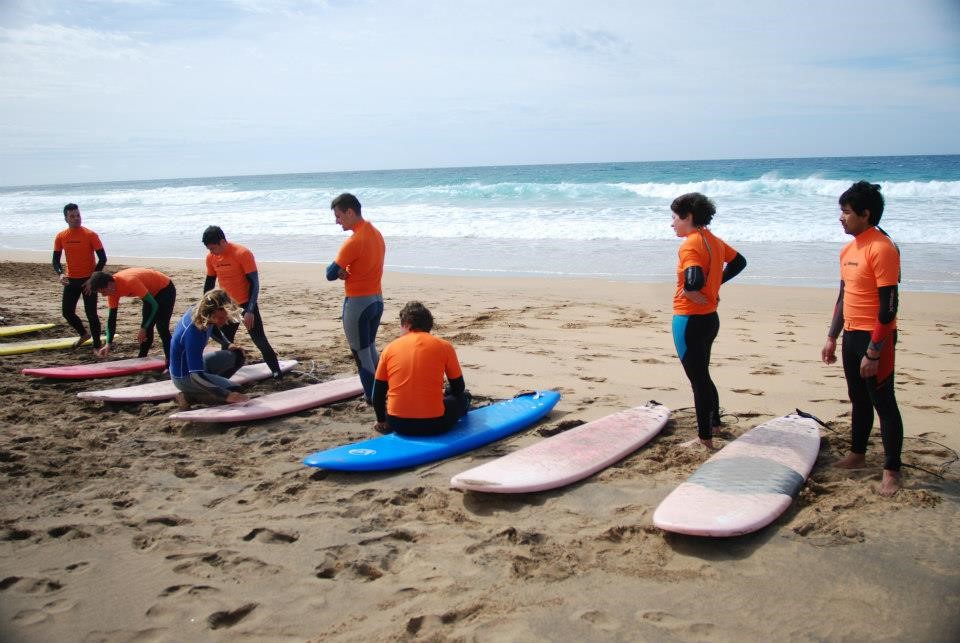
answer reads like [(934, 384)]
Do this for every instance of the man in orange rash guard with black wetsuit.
[(866, 311), (408, 392), (236, 269), (79, 244), (158, 294)]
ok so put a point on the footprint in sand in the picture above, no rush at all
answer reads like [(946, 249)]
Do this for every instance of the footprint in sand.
[(748, 391), (598, 619), (271, 537), (229, 618)]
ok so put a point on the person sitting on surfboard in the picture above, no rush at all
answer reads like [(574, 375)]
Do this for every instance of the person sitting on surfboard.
[(235, 268), (158, 294), (359, 263), (705, 262), (204, 376), (866, 311), (408, 392), (80, 244)]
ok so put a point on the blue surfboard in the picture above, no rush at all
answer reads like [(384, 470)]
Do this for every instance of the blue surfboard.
[(478, 427)]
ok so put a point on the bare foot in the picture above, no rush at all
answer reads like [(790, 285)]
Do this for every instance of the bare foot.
[(182, 403), (83, 339), (852, 461), (891, 483), (696, 442)]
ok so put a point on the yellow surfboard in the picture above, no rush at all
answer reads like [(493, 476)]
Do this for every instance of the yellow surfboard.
[(23, 329), (16, 348)]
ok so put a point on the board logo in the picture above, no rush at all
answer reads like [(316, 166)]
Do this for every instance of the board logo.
[(361, 451)]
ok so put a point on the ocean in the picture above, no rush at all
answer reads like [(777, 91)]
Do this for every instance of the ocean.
[(597, 220)]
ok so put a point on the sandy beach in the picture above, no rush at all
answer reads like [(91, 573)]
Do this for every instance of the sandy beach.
[(119, 524)]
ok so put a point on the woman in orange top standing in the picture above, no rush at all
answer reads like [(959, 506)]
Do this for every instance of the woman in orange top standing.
[(158, 294), (704, 263)]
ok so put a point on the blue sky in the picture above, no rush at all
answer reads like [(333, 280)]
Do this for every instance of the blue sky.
[(95, 90)]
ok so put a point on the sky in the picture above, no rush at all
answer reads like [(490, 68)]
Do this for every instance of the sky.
[(100, 90)]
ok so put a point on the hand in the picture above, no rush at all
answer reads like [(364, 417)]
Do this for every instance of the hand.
[(342, 274), (141, 335), (381, 427), (868, 367), (695, 296), (828, 354), (63, 279), (103, 351), (248, 320), (235, 398), (235, 348)]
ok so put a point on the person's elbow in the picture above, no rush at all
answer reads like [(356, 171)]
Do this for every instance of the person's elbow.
[(333, 271)]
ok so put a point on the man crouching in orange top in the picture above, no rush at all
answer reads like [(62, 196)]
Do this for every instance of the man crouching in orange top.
[(408, 392)]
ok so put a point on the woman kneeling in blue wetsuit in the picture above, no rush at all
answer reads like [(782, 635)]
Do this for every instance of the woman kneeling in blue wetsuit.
[(200, 376)]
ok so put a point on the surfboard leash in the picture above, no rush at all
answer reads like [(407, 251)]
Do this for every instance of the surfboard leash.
[(942, 467)]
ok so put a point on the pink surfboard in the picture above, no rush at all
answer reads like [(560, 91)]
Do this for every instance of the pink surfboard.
[(96, 370), (165, 390), (569, 456), (745, 485), (280, 403)]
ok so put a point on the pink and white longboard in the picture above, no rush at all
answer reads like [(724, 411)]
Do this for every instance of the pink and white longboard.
[(96, 370), (745, 485), (165, 390), (280, 403), (569, 456)]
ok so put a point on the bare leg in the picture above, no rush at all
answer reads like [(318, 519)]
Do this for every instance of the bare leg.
[(891, 482), (852, 461)]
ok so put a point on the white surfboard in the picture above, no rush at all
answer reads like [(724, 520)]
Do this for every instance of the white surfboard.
[(745, 485), (165, 390), (569, 456), (279, 403)]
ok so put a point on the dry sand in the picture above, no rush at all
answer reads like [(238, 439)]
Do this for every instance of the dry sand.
[(119, 524)]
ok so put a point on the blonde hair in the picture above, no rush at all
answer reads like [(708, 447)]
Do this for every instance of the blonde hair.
[(211, 302)]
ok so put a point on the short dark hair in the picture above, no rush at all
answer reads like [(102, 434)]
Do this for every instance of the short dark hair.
[(696, 204), (69, 208), (99, 280), (346, 201), (416, 316), (213, 234), (863, 196)]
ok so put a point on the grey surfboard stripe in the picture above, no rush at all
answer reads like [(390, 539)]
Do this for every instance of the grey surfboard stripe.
[(745, 475)]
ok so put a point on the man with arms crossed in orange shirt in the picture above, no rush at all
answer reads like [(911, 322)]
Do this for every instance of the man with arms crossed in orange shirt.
[(80, 244), (866, 311), (236, 269), (359, 264)]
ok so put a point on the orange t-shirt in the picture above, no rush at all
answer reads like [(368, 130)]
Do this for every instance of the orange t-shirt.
[(413, 365), (867, 263), (361, 256), (80, 246), (702, 248), (231, 269), (137, 282)]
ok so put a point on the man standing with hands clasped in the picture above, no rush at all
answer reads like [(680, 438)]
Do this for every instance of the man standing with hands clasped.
[(236, 269), (866, 311), (360, 265)]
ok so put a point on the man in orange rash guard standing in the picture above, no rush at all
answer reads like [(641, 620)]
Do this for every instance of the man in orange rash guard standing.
[(80, 244), (359, 264), (236, 269), (866, 311), (158, 294), (408, 393)]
